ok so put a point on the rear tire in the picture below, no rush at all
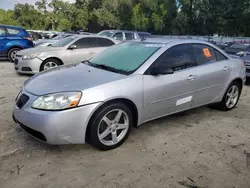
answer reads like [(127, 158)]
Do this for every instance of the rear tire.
[(230, 98), (110, 126), (12, 53), (50, 63)]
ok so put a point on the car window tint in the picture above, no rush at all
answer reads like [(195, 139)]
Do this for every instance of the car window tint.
[(85, 43), (12, 31), (203, 54), (102, 42), (2, 31), (129, 36), (176, 58), (219, 56), (118, 36)]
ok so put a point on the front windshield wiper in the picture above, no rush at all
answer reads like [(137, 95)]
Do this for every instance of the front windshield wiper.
[(105, 67)]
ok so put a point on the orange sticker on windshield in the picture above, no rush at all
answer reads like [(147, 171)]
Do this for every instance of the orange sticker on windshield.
[(207, 52)]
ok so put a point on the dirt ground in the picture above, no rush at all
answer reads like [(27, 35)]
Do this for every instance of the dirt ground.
[(201, 148)]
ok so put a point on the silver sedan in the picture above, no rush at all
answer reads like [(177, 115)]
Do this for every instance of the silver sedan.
[(68, 50), (99, 100)]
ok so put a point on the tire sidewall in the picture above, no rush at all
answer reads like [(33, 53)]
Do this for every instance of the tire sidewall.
[(94, 140), (10, 53)]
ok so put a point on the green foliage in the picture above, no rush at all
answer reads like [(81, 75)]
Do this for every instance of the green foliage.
[(196, 17)]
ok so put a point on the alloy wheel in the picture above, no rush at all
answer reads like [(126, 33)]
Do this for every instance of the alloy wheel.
[(50, 64), (232, 96), (113, 127)]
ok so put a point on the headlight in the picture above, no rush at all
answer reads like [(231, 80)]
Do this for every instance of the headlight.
[(30, 56), (241, 53), (57, 101)]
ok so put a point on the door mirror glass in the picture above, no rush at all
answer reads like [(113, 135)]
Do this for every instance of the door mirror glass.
[(72, 47), (160, 70)]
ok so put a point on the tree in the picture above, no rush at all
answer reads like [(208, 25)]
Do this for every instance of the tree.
[(7, 17)]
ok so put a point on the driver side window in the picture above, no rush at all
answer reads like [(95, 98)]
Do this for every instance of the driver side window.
[(118, 36), (176, 58)]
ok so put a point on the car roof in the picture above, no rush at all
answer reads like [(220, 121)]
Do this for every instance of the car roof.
[(10, 26), (169, 40), (112, 30), (97, 36)]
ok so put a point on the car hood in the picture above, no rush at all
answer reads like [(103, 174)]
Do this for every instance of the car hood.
[(234, 50), (44, 41), (76, 77), (39, 50)]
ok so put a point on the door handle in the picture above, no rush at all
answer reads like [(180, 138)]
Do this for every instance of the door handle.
[(226, 68), (191, 77)]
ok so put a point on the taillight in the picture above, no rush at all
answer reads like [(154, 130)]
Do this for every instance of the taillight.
[(244, 63), (28, 38)]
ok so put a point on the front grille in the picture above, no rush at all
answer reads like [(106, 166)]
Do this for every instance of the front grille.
[(18, 55), (33, 132), (26, 69), (248, 70), (22, 101)]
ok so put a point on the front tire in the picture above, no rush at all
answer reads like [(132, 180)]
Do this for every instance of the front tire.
[(110, 126), (231, 97), (12, 54), (49, 64)]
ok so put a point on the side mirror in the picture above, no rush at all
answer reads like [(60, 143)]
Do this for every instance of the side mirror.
[(161, 71), (72, 47)]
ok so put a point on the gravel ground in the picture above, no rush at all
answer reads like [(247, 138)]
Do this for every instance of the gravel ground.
[(199, 148)]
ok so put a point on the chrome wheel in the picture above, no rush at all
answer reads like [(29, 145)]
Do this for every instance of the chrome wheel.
[(49, 65), (13, 54), (232, 96), (113, 127)]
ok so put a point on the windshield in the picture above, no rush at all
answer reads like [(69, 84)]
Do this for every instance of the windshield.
[(64, 41), (240, 46), (105, 33), (126, 57)]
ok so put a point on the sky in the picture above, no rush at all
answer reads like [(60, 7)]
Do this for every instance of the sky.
[(9, 4)]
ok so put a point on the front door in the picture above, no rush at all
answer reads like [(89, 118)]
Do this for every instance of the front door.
[(166, 94), (212, 74)]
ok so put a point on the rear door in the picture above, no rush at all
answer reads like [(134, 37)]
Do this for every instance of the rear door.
[(211, 75), (101, 44), (3, 41)]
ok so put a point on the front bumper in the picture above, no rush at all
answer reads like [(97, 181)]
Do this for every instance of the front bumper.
[(27, 66), (54, 127)]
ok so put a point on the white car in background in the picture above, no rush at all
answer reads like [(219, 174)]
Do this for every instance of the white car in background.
[(48, 42), (71, 49)]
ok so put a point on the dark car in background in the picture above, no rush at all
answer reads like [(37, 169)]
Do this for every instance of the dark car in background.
[(238, 49), (12, 40)]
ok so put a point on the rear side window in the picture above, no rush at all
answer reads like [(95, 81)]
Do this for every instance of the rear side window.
[(2, 32), (85, 43), (177, 58), (129, 36), (101, 42), (219, 56), (13, 31), (203, 54)]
